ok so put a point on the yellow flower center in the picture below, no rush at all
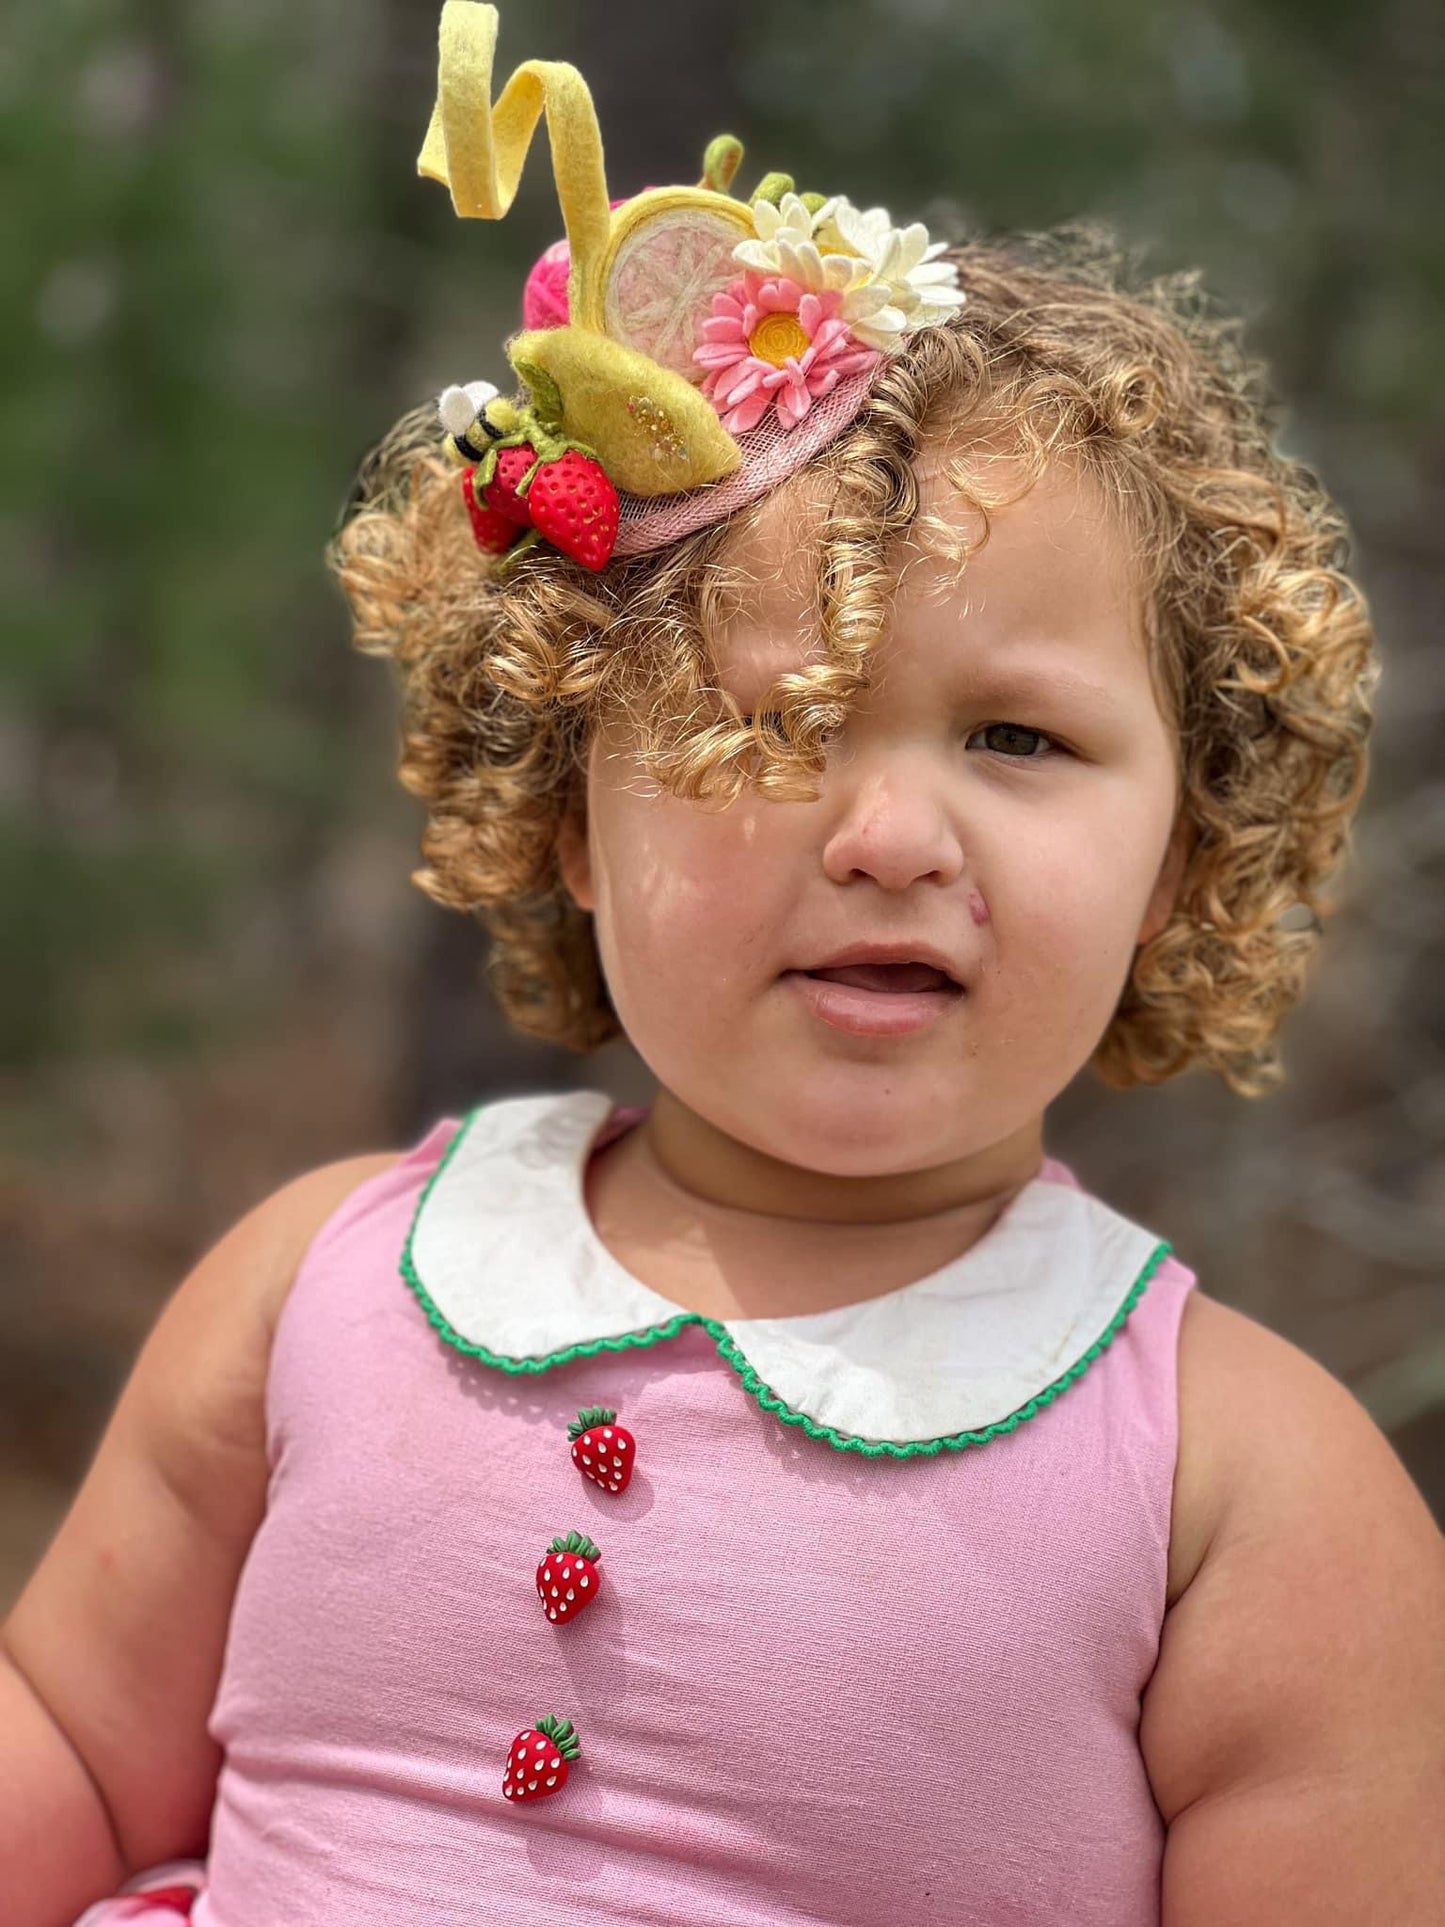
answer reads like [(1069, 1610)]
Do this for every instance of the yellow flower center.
[(776, 337)]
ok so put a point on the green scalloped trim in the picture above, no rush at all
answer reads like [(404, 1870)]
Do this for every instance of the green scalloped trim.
[(728, 1350)]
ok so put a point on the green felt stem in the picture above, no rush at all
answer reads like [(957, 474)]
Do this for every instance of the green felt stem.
[(721, 161), (772, 187), (508, 557)]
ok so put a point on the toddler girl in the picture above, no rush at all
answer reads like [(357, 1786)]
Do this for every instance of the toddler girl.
[(879, 679)]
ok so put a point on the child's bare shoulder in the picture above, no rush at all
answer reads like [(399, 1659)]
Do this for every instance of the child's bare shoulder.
[(1255, 1414), (1222, 1354), (1300, 1686), (120, 1632)]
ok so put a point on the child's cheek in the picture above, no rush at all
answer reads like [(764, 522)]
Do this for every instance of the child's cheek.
[(1062, 936), (688, 912)]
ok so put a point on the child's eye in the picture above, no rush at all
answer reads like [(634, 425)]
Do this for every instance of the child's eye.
[(1013, 740)]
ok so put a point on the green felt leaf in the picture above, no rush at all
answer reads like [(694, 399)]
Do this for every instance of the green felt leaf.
[(546, 395)]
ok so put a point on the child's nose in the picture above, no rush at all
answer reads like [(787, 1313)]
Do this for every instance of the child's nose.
[(892, 825)]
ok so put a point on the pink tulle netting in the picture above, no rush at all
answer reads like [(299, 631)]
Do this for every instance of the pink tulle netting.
[(770, 454)]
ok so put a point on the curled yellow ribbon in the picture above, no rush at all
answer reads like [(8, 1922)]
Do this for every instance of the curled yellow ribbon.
[(653, 430), (476, 150)]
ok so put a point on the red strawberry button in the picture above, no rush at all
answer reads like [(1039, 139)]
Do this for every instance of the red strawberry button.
[(537, 1764), (567, 1579), (602, 1450)]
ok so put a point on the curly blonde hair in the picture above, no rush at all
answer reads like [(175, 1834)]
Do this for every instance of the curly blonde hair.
[(1263, 648)]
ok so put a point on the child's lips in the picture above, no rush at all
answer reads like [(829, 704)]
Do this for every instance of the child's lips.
[(856, 998)]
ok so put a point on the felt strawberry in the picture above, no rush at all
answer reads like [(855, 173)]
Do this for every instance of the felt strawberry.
[(509, 470), (539, 478), (494, 532), (537, 1764), (602, 1450), (567, 1579), (574, 506)]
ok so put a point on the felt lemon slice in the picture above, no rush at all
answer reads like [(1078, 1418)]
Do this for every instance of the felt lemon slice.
[(669, 252), (654, 433)]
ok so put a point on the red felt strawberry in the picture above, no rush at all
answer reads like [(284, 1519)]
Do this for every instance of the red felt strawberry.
[(494, 532), (574, 507), (500, 492), (567, 1579), (602, 1450), (537, 1764)]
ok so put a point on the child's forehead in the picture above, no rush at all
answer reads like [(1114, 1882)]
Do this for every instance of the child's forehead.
[(1050, 558)]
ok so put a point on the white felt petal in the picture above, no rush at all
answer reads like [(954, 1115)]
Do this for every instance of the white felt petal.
[(883, 330), (913, 242), (845, 271), (761, 255), (867, 300)]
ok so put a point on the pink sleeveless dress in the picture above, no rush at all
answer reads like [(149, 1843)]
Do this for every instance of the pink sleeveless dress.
[(873, 1615)]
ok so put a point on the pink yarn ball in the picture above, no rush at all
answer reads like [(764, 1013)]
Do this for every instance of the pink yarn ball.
[(544, 299)]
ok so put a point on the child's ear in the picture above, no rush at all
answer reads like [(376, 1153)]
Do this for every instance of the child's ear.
[(574, 857), (1165, 893)]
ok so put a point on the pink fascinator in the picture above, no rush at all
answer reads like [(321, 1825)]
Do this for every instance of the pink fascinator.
[(683, 350)]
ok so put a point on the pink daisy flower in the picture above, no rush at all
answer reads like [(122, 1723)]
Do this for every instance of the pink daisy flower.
[(772, 344)]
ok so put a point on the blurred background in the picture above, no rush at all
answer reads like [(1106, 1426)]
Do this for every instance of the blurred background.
[(222, 279)]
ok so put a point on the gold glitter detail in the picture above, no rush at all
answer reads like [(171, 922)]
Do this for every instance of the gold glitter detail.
[(661, 433)]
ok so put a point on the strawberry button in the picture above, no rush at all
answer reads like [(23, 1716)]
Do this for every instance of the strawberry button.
[(537, 1764), (567, 1579), (602, 1450)]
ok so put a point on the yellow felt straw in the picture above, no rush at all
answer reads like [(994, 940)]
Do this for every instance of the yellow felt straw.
[(477, 150)]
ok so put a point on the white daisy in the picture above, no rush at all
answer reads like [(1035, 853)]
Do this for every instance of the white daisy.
[(911, 287), (891, 279), (785, 246)]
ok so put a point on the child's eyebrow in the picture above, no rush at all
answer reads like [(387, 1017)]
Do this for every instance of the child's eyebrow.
[(979, 680), (998, 680)]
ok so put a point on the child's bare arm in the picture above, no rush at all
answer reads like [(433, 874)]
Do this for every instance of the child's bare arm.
[(110, 1659), (1294, 1729)]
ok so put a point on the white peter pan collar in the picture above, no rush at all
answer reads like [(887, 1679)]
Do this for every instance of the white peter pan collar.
[(504, 1260)]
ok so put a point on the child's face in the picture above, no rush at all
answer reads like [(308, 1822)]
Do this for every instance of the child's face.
[(1033, 870)]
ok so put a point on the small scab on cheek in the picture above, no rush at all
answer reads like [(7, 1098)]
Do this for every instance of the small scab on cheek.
[(977, 908)]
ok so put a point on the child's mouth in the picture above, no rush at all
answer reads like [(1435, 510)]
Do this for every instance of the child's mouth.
[(877, 999)]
